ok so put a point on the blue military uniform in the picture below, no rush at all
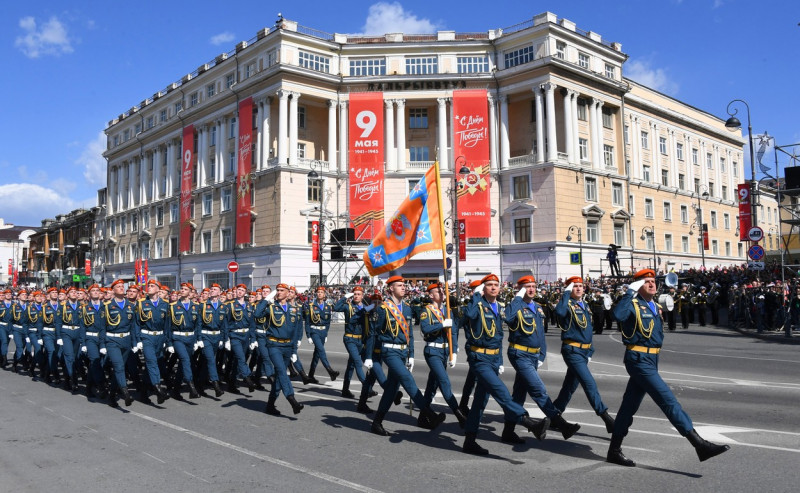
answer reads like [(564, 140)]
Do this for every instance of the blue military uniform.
[(437, 353), (47, 333), (69, 330), (182, 335), (317, 319), (356, 318), (239, 333), (283, 320), (93, 318), (153, 321), (31, 322), (5, 330), (18, 332), (119, 333), (212, 323)]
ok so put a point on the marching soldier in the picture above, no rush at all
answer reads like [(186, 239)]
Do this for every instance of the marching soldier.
[(153, 313), (700, 305), (48, 336), (598, 312), (239, 327), (643, 336), (297, 366), (5, 326), (469, 381), (485, 344), (683, 306), (259, 345), (182, 336), (317, 318), (31, 326), (577, 350), (119, 334), (212, 321), (355, 325), (91, 344), (69, 335)]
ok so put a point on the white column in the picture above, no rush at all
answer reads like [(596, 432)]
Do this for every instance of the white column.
[(593, 133), (687, 144), (131, 183), (493, 144), (568, 136), (343, 145), (112, 191), (703, 166), (600, 140), (168, 171), (636, 157), (201, 158), (552, 139), (731, 184), (265, 137), (718, 171), (655, 166), (401, 134), (257, 147), (441, 141), (575, 142), (283, 118), (504, 144), (142, 180), (293, 128), (539, 104), (390, 152), (222, 147), (156, 172), (331, 134), (673, 158), (175, 165)]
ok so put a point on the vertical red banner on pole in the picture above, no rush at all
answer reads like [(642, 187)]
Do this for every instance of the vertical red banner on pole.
[(16, 278), (705, 236), (87, 267), (243, 167), (366, 157), (471, 148), (10, 267), (315, 241), (745, 219), (462, 240), (187, 178)]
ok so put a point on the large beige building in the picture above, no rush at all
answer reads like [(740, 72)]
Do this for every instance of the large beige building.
[(572, 143)]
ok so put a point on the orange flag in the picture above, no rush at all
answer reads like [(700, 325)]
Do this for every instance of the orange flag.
[(414, 228)]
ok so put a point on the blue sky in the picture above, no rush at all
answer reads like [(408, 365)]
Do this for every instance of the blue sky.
[(70, 67)]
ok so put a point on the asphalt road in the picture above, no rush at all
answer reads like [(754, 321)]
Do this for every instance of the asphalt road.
[(737, 389)]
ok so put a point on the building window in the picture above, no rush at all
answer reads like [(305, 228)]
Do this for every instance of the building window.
[(648, 241), (249, 70), (590, 185), (631, 205), (709, 160), (728, 248), (417, 118), (711, 188), (648, 208), (735, 168), (367, 66), (518, 56), (231, 163), (418, 153), (684, 214), (159, 216), (205, 244), (583, 149), (225, 199), (315, 189), (724, 192), (194, 98), (229, 80), (581, 110), (583, 60), (123, 225), (211, 89), (665, 177), (697, 185), (611, 71), (315, 62), (608, 156), (681, 181), (668, 242), (722, 165), (174, 216), (715, 247), (645, 140), (173, 246), (122, 258), (679, 151), (301, 117), (522, 230), (740, 249), (146, 219), (411, 185), (150, 122), (159, 250), (272, 57), (616, 194), (695, 157), (232, 132), (422, 65), (561, 50), (608, 118), (473, 64), (625, 134), (685, 244), (726, 220), (521, 187), (126, 135), (226, 240), (619, 234), (593, 231), (714, 219), (646, 172), (162, 117), (207, 203), (301, 150), (667, 211), (662, 145), (178, 107)]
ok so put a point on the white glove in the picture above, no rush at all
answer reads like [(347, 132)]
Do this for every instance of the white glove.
[(253, 345), (10, 337), (140, 345), (310, 341), (170, 350), (228, 345), (452, 362), (521, 293), (410, 364), (369, 307), (194, 347), (40, 341), (368, 364), (135, 349), (501, 369), (348, 296), (538, 363), (326, 340), (103, 351), (84, 349), (590, 359), (201, 344), (28, 340), (478, 289), (294, 358), (636, 285), (448, 322), (33, 351), (568, 289), (220, 344), (271, 295), (60, 342)]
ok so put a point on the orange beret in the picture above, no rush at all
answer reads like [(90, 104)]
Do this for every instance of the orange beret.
[(60, 291), (292, 288), (525, 280), (187, 285), (153, 281), (72, 288), (133, 287), (394, 279), (321, 288), (433, 285), (490, 277), (36, 293), (243, 286), (573, 279), (118, 281), (358, 288), (475, 283), (266, 286), (644, 273), (50, 290), (282, 285)]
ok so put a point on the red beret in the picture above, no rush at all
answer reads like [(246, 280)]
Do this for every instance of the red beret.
[(321, 288), (644, 273), (187, 285), (133, 287), (50, 290), (475, 283), (153, 281), (490, 277), (243, 286), (525, 280), (394, 279), (118, 281), (434, 285), (358, 288), (266, 286), (573, 279), (292, 288), (35, 293), (72, 288), (281, 285)]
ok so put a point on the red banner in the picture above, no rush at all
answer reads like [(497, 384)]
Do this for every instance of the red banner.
[(10, 267), (187, 181), (471, 146), (366, 163), (462, 240), (87, 267), (243, 177), (16, 278), (745, 219), (705, 236), (315, 241)]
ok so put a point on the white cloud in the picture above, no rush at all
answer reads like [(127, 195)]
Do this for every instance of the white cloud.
[(221, 38), (48, 39), (93, 162), (655, 78), (27, 204), (384, 17), (718, 4)]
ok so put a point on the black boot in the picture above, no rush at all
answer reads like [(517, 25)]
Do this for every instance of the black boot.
[(161, 395), (126, 395), (332, 373), (74, 383), (509, 435), (15, 366), (271, 409), (296, 406), (377, 425), (398, 398), (567, 429), (251, 385), (705, 449), (464, 404), (307, 379), (362, 403), (112, 399), (346, 390), (217, 389), (615, 455), (462, 420), (193, 394), (472, 447), (292, 371), (67, 384), (539, 429), (429, 419), (609, 421)]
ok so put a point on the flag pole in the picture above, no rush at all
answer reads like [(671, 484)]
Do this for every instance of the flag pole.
[(444, 256)]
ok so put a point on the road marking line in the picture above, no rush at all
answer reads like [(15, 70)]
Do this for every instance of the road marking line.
[(115, 440), (90, 429), (67, 417), (265, 458), (196, 477), (154, 457), (48, 409)]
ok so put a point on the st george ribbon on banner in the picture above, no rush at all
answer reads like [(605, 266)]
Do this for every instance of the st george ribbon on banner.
[(366, 162), (243, 167), (414, 228), (471, 149)]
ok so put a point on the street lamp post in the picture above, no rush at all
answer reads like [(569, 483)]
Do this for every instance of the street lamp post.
[(734, 124), (463, 170), (698, 226), (651, 231), (699, 222), (314, 176), (580, 243)]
